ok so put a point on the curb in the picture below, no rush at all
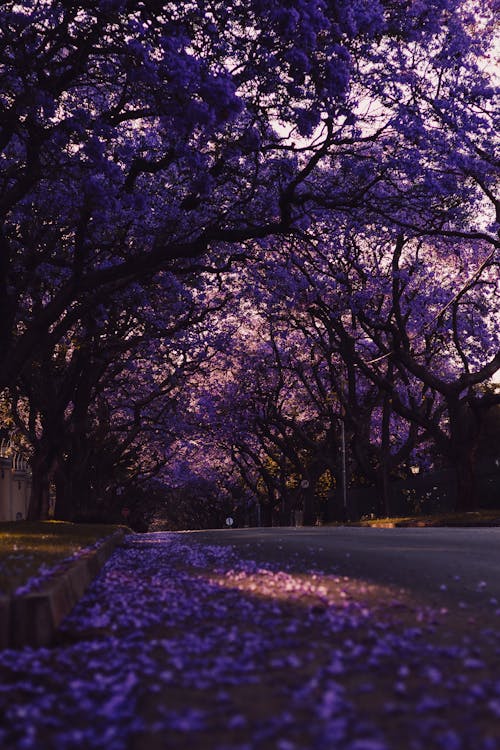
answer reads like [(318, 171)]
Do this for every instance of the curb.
[(32, 619)]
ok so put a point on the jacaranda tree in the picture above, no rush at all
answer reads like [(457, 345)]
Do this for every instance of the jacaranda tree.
[(139, 138)]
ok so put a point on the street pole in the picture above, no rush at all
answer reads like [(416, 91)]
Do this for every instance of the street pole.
[(344, 466)]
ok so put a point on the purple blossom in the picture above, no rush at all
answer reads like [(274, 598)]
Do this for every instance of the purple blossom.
[(178, 627)]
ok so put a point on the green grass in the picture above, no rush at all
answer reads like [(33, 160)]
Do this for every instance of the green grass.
[(475, 518), (26, 545)]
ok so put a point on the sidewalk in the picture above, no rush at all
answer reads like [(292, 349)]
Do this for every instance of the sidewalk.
[(179, 646)]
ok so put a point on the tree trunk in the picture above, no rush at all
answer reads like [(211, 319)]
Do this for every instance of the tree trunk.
[(307, 502), (464, 436), (385, 456), (74, 499), (38, 509), (383, 505), (64, 508), (467, 498)]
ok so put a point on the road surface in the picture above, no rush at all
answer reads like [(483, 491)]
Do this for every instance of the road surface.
[(450, 566)]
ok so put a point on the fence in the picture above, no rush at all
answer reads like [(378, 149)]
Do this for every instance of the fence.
[(15, 484)]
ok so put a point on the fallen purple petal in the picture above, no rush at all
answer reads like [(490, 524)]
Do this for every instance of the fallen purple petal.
[(191, 642)]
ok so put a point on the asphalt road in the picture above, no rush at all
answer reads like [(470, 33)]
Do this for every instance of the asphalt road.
[(457, 567)]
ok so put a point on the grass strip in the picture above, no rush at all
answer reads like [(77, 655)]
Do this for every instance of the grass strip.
[(28, 548), (473, 518)]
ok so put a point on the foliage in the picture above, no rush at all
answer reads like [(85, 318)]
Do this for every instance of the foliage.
[(228, 228)]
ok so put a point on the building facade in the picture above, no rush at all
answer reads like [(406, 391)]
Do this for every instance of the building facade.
[(15, 484)]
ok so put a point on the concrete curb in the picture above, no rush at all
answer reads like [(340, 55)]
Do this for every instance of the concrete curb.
[(32, 619)]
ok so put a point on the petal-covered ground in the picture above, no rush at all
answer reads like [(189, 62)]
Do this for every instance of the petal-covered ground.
[(178, 645)]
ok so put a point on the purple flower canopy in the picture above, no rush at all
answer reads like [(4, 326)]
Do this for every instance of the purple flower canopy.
[(169, 171)]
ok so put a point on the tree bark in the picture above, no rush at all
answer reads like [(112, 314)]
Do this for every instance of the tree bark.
[(464, 438), (38, 509), (467, 499), (385, 456), (64, 509)]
